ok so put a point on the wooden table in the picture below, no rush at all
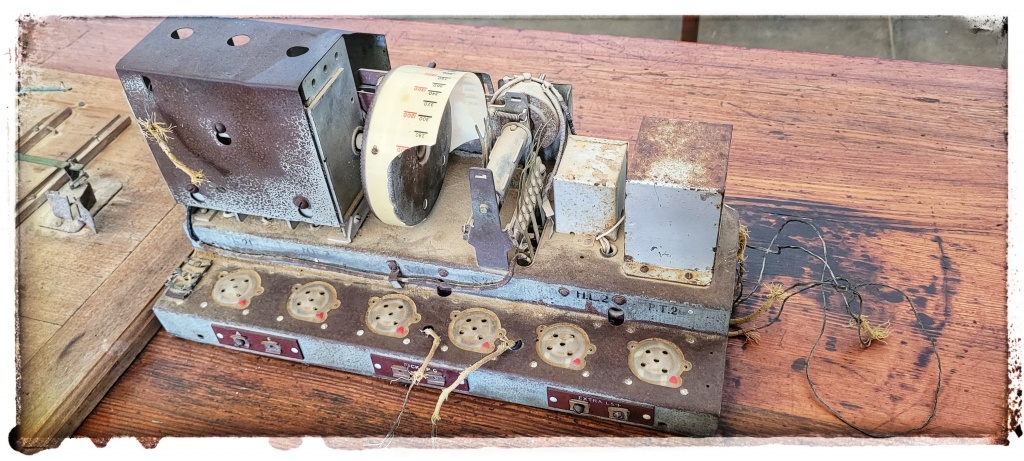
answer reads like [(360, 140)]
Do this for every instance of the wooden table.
[(901, 164)]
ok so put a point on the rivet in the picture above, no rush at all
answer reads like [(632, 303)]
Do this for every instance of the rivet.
[(374, 150), (586, 374), (442, 272), (552, 399), (359, 333), (219, 335), (684, 391), (644, 269), (377, 366), (323, 326), (245, 312), (563, 291), (533, 364), (619, 299), (406, 341), (628, 381), (204, 304), (688, 275), (280, 318), (295, 351), (444, 348)]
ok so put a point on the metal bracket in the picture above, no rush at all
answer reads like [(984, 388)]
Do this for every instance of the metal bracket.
[(75, 204), (484, 232)]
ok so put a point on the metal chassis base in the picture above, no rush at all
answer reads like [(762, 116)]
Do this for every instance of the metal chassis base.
[(345, 343)]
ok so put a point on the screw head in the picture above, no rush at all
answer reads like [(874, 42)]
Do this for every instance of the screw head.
[(442, 272), (301, 202), (644, 269), (563, 291)]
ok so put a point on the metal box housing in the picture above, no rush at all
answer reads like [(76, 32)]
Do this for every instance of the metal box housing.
[(589, 185), (674, 192), (266, 112)]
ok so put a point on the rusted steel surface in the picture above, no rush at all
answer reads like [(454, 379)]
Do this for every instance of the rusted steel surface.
[(684, 153)]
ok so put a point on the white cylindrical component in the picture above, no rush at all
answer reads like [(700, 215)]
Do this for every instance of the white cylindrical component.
[(505, 155)]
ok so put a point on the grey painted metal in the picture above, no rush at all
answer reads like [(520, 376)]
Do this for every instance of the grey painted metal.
[(675, 188), (590, 185), (563, 262)]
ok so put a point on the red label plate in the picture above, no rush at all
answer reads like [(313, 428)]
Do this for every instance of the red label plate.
[(260, 343)]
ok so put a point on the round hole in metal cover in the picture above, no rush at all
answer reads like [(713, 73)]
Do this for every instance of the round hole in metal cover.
[(181, 33), (616, 316), (238, 40), (221, 134), (296, 51)]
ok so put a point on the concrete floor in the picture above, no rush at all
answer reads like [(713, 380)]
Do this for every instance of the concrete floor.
[(944, 39)]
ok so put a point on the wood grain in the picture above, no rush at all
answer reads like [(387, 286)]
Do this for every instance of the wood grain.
[(82, 298), (902, 165), (81, 262), (65, 379)]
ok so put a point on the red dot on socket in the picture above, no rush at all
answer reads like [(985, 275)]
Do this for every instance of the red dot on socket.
[(487, 345), (576, 361), (319, 315), (673, 379), (400, 330), (241, 302)]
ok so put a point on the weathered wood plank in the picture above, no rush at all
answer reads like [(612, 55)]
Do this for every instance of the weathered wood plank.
[(65, 379), (901, 163), (80, 262), (32, 335)]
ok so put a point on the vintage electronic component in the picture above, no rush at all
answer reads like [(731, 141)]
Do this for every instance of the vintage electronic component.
[(339, 206)]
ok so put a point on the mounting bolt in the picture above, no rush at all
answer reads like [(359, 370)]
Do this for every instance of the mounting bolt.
[(563, 291), (442, 272), (688, 275), (619, 299), (301, 202)]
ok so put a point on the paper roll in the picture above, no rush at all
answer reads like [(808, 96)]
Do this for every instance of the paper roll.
[(408, 111)]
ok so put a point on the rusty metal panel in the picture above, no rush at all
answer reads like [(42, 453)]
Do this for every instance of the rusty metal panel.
[(589, 185), (235, 94), (674, 193)]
